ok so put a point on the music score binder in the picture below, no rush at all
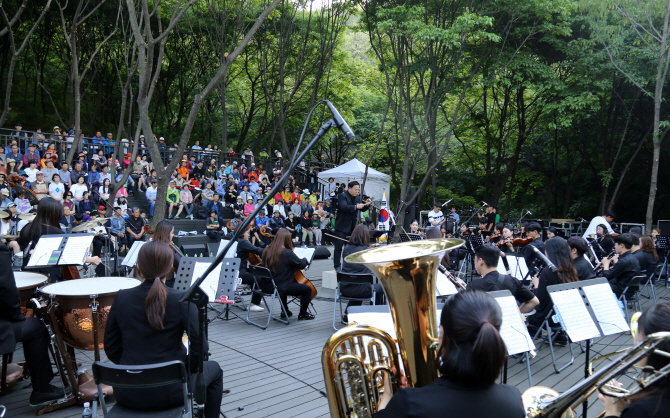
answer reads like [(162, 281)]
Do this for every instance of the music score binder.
[(60, 250)]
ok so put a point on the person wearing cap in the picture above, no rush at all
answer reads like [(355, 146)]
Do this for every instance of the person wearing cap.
[(49, 171), (238, 206), (277, 221), (161, 143), (185, 201), (249, 206), (172, 198), (39, 186), (151, 197), (18, 131), (264, 153), (84, 163), (5, 199), (221, 187)]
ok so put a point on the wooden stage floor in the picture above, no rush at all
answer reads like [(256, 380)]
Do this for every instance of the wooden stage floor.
[(277, 372)]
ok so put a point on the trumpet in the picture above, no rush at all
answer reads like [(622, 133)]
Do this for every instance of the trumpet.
[(541, 402)]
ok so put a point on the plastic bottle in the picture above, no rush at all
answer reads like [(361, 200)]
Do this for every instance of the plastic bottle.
[(87, 413)]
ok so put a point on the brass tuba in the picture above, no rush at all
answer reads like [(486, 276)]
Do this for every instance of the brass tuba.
[(407, 273)]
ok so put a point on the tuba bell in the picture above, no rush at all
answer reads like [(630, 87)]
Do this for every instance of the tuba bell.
[(353, 370)]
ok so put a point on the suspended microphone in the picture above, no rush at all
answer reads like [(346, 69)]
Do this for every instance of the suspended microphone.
[(544, 259), (529, 212), (340, 122), (486, 204), (447, 202)]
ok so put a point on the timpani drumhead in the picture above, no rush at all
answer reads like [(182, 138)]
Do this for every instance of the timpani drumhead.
[(94, 286), (28, 280)]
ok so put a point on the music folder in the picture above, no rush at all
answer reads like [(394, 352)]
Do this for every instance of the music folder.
[(305, 252), (61, 250)]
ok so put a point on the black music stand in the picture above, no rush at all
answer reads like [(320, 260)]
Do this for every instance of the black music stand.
[(60, 250), (226, 282)]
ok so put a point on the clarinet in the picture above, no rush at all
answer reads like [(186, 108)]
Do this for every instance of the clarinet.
[(460, 284)]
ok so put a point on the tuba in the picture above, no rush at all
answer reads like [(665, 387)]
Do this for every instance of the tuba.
[(542, 402), (353, 370)]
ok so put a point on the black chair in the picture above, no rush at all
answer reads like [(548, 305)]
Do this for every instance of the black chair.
[(351, 278), (149, 375), (264, 274), (633, 285), (656, 273)]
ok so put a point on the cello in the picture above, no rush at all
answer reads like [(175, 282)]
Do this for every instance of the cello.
[(298, 275)]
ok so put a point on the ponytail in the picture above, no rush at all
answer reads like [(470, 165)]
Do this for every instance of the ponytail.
[(154, 263), (488, 352), (154, 304)]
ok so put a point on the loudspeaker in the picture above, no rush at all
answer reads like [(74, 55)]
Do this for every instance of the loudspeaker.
[(212, 249), (194, 250), (411, 211), (321, 253), (665, 228)]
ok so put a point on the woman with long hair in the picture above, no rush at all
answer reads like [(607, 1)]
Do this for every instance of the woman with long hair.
[(105, 189), (359, 241), (282, 262), (654, 400), (648, 252), (471, 355), (604, 240), (145, 326), (46, 222), (244, 249), (558, 252), (165, 232)]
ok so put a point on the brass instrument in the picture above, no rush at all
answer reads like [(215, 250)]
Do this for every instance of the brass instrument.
[(541, 402), (407, 273)]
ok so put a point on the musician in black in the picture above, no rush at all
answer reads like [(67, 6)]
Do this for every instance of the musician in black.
[(31, 332), (349, 205), (625, 266), (604, 240), (359, 241), (486, 264), (165, 232), (283, 262), (459, 253), (652, 401), (578, 248), (472, 354), (244, 248), (645, 259), (145, 326), (533, 231)]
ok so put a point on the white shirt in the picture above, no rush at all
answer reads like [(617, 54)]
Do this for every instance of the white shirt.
[(435, 218), (4, 228), (151, 193), (78, 190), (31, 173), (56, 190), (593, 226)]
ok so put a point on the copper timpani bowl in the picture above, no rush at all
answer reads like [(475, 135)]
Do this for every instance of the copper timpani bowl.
[(27, 283), (73, 301)]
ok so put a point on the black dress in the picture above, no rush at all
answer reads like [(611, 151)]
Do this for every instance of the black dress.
[(653, 407), (444, 398)]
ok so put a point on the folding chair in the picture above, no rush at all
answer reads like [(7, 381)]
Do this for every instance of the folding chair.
[(350, 278), (144, 376), (260, 274), (650, 282), (633, 284), (551, 334)]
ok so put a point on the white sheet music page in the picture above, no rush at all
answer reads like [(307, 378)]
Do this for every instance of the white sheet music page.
[(606, 307), (76, 249), (381, 320), (576, 317), (501, 266), (42, 251), (211, 282), (444, 286), (307, 253), (513, 331), (232, 251)]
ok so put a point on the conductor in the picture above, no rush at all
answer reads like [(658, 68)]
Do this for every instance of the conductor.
[(349, 203)]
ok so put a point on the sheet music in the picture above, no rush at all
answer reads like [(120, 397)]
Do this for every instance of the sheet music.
[(383, 321), (76, 249), (513, 331), (131, 258), (232, 251), (517, 266), (578, 322), (606, 307), (42, 251), (501, 266), (211, 282), (307, 253), (444, 286)]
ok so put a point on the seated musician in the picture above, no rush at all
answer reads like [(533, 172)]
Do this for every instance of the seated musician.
[(649, 252), (31, 332), (653, 401), (46, 222), (603, 239), (558, 252), (551, 232), (146, 325), (625, 268), (472, 354), (644, 258), (282, 262), (506, 241), (165, 232), (244, 248), (578, 248), (359, 241), (277, 221), (460, 253), (486, 264), (414, 228), (532, 231), (8, 227)]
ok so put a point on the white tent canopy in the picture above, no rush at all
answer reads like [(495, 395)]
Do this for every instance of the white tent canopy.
[(355, 170)]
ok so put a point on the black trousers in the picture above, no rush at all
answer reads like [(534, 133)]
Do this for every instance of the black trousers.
[(167, 397), (362, 291), (248, 278), (130, 240), (215, 235), (337, 256), (35, 338), (302, 291)]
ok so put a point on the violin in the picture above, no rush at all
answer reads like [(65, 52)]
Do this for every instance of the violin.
[(521, 242), (266, 231), (147, 229), (494, 236), (298, 275)]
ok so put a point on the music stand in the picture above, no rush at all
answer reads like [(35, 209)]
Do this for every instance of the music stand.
[(130, 259), (513, 331), (219, 285), (60, 250)]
